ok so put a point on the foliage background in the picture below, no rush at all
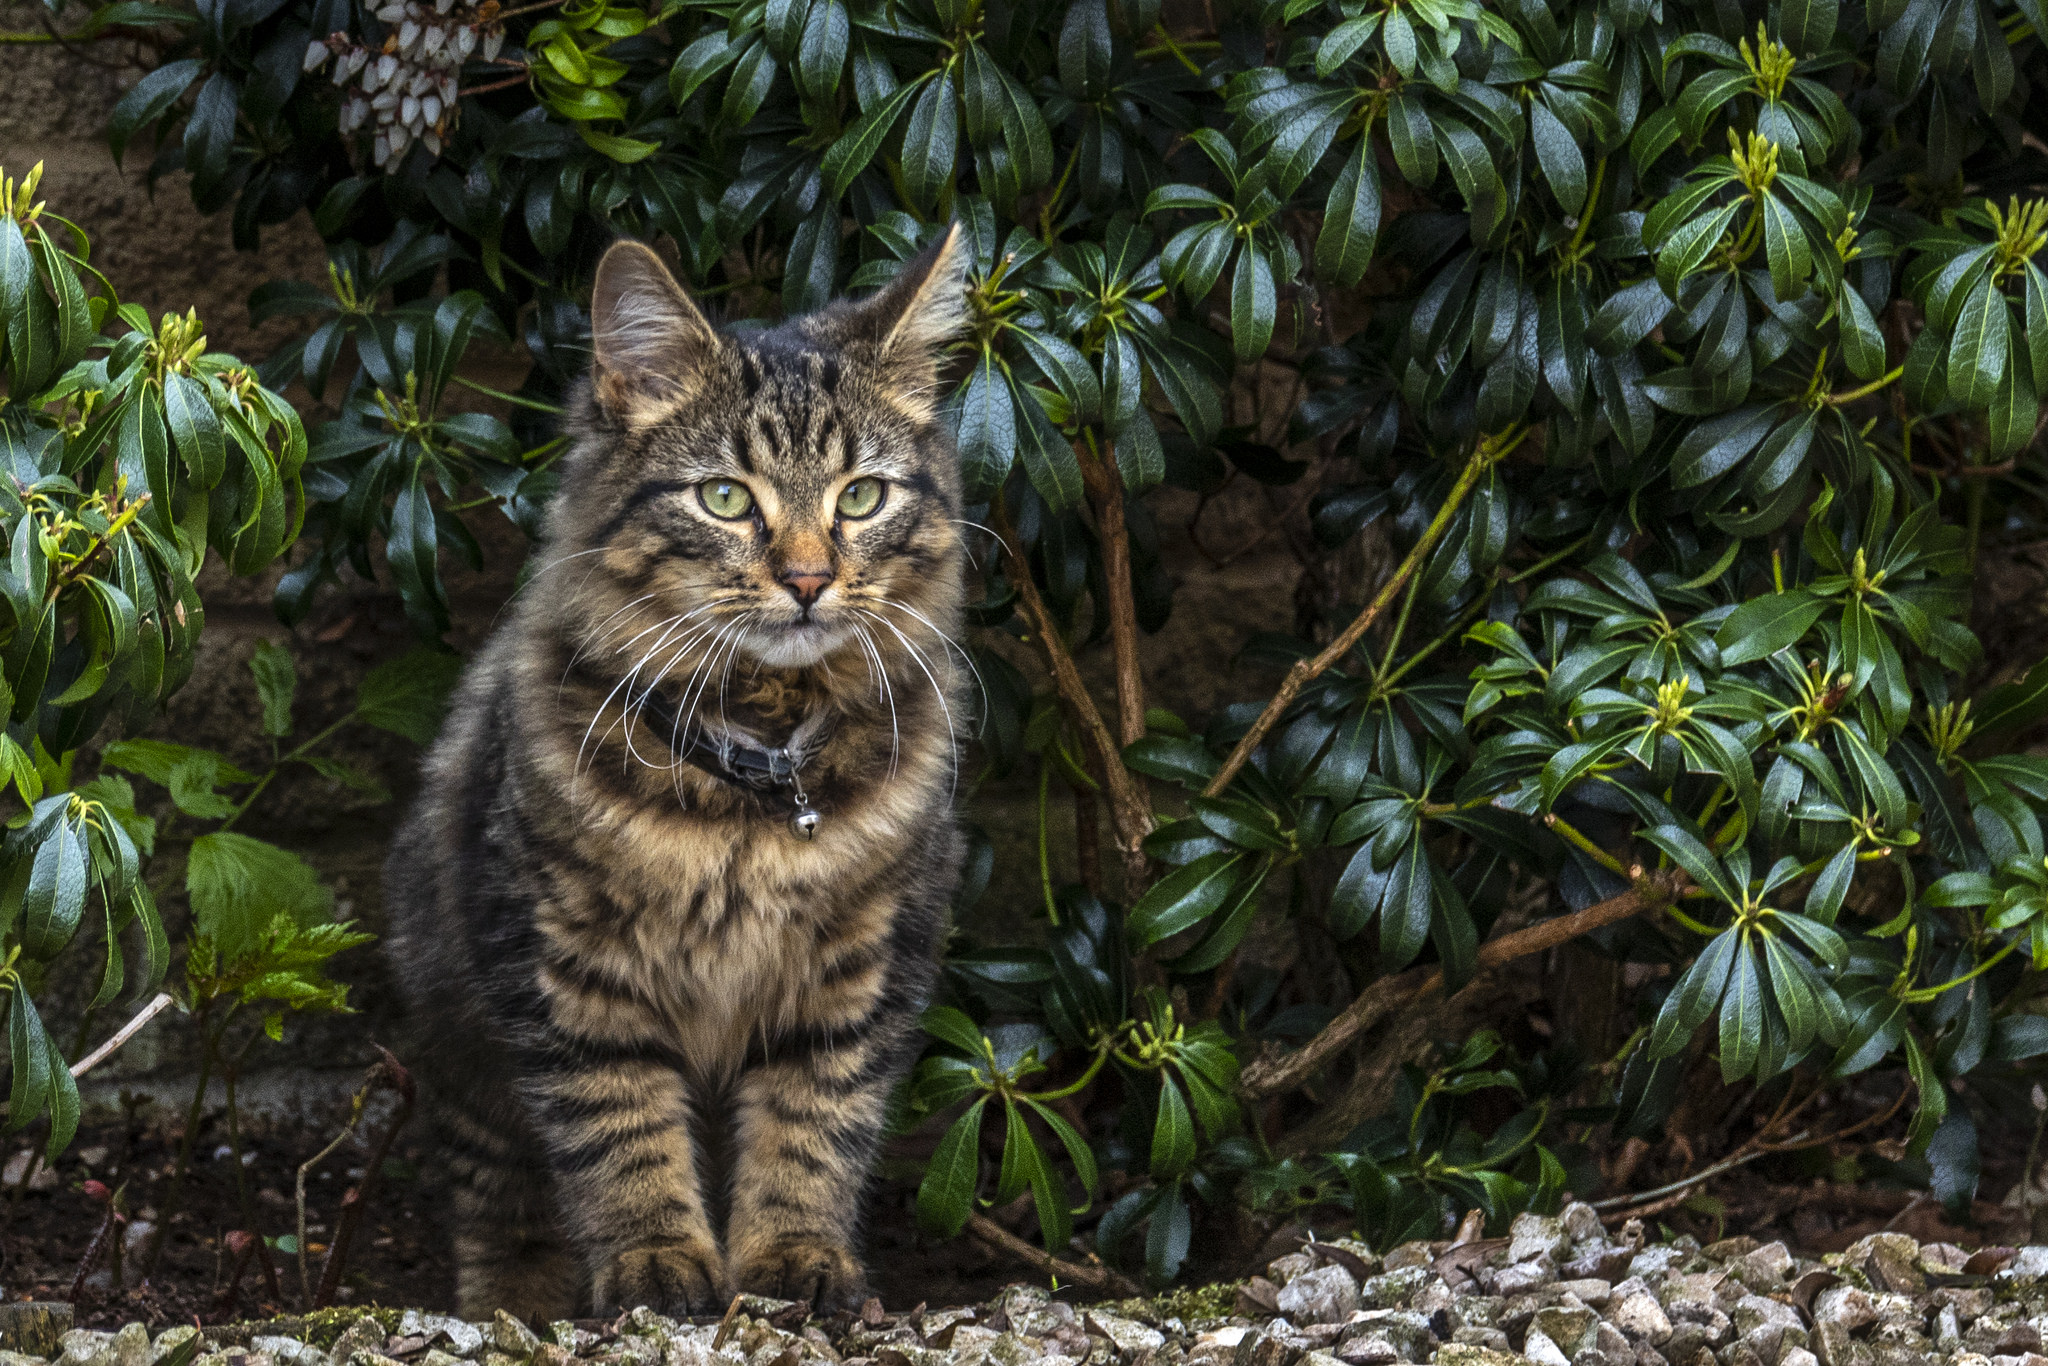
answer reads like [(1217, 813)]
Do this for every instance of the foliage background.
[(1546, 328)]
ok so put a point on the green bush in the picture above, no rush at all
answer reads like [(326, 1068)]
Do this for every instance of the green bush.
[(1687, 356), (132, 451)]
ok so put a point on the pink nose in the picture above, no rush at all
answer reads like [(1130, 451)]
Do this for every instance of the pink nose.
[(805, 584)]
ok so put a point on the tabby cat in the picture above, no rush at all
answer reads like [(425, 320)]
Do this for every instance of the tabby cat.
[(669, 904)]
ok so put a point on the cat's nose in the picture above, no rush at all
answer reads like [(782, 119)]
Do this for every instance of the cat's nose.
[(806, 582)]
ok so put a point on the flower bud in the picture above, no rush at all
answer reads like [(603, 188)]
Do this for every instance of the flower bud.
[(316, 56)]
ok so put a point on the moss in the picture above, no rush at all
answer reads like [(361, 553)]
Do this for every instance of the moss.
[(1189, 1304), (320, 1328)]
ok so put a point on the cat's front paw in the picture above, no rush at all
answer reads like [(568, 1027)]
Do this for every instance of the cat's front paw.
[(813, 1269), (675, 1278)]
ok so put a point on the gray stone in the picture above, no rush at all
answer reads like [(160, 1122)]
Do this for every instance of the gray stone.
[(1476, 1311), (1394, 1289), (1537, 1235), (462, 1339), (1281, 1270), (1613, 1345), (512, 1337), (1763, 1324), (1590, 1292), (1129, 1335), (1409, 1254), (1890, 1260), (8, 1358), (1655, 1261), (35, 1327), (1385, 1335), (85, 1347), (1640, 1316), (1521, 1278), (1472, 1354), (1540, 1349), (1716, 1328), (1833, 1345), (1581, 1221), (131, 1346), (2031, 1264), (1328, 1294), (1571, 1329), (1798, 1356), (285, 1351), (1482, 1337), (1845, 1305)]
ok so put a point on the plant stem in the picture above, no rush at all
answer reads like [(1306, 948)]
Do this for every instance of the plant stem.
[(1130, 810), (275, 768), (1490, 449), (1052, 910), (504, 397), (1851, 395), (1584, 845), (231, 1074)]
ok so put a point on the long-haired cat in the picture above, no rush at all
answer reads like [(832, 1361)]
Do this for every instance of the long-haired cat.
[(669, 903)]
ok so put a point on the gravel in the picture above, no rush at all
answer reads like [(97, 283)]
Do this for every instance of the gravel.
[(1529, 1299)]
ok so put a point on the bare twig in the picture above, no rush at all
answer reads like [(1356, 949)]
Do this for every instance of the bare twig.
[(305, 1280), (1641, 1203), (126, 1032), (1303, 671), (242, 1245), (107, 1235), (1403, 992), (387, 1072), (1097, 1278)]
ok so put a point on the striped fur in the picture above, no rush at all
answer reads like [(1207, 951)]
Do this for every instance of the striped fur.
[(657, 1028)]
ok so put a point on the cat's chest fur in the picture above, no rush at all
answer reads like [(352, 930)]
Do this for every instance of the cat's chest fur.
[(718, 924)]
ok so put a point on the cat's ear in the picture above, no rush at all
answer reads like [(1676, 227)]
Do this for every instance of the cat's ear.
[(651, 343), (910, 321)]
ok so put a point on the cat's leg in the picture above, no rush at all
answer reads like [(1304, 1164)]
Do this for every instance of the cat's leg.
[(809, 1119), (509, 1250), (617, 1129)]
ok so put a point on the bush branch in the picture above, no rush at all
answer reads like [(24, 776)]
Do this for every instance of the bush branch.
[(1411, 989), (1097, 1278), (1130, 809), (1303, 671)]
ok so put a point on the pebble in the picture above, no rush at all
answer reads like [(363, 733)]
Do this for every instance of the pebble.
[(1522, 1301)]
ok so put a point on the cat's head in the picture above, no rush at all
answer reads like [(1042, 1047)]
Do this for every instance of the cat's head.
[(782, 493)]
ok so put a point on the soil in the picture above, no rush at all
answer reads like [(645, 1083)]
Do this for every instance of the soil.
[(399, 1253)]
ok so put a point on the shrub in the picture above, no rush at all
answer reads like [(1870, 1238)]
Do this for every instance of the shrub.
[(132, 452), (1686, 357)]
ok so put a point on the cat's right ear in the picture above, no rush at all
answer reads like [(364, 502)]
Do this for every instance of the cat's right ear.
[(651, 343)]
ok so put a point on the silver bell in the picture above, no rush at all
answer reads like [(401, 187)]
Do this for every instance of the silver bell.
[(804, 822)]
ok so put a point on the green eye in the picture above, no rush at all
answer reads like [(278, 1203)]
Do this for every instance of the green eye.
[(860, 498), (725, 498)]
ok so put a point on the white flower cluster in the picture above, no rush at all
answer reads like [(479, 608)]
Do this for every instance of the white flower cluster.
[(406, 87)]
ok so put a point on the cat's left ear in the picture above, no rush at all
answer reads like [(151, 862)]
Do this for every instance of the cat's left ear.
[(910, 320)]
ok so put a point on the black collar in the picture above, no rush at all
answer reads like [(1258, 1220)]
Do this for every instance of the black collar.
[(771, 772)]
